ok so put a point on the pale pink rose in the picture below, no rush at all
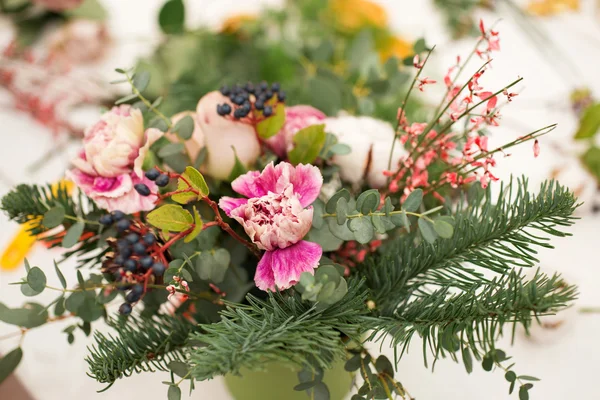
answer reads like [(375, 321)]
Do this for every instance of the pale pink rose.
[(276, 215), (221, 135), (58, 5), (296, 119), (196, 142), (80, 41), (110, 163)]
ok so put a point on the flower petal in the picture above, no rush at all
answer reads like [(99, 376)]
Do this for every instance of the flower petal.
[(282, 268), (152, 135), (307, 181), (246, 185), (229, 204)]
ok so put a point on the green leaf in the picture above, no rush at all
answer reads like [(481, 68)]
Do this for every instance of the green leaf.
[(318, 211), (368, 201), (528, 378), (61, 277), (171, 217), (590, 122), (185, 127), (304, 386), (172, 17), (174, 393), (9, 363), (73, 234), (413, 201), (59, 309), (213, 266), (353, 363), (171, 149), (443, 229), (332, 203), (238, 168), (360, 47), (523, 393), (591, 160), (320, 392), (127, 98), (383, 365), (31, 315), (36, 279), (427, 230), (420, 46), (510, 376), (54, 217), (197, 182), (141, 79), (179, 368), (90, 310), (308, 143), (488, 363), (326, 93), (273, 124), (341, 211), (340, 149), (363, 229), (197, 229), (467, 359), (89, 9)]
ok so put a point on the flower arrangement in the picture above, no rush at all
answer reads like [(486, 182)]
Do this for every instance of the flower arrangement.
[(248, 232)]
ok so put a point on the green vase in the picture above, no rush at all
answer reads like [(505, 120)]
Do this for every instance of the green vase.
[(277, 381)]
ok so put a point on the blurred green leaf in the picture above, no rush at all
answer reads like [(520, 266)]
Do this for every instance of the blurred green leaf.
[(590, 122), (308, 143), (172, 17), (9, 363)]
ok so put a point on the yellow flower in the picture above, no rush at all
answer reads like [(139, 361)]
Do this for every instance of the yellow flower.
[(234, 24), (395, 46), (353, 15), (545, 8), (17, 250)]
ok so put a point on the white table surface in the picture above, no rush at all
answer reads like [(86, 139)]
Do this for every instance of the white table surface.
[(566, 360)]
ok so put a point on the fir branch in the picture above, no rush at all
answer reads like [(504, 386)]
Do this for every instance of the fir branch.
[(281, 328), (475, 317), (495, 236), (142, 344)]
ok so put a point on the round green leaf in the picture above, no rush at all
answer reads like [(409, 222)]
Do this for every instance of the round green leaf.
[(443, 228), (172, 17), (363, 229), (174, 393), (368, 201), (53, 217), (185, 127), (427, 230), (9, 363), (141, 79), (413, 201), (36, 279), (73, 234)]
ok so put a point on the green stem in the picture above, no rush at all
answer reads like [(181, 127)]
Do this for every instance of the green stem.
[(85, 221), (147, 102), (381, 214)]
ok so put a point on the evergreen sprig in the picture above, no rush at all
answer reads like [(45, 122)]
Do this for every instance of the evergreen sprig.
[(141, 344), (281, 328), (493, 235)]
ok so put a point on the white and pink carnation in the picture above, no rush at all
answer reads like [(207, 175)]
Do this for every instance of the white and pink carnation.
[(58, 5), (110, 163), (276, 214), (296, 119)]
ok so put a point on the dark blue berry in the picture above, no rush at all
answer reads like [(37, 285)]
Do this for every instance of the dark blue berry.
[(281, 96), (239, 100), (123, 225), (130, 265), (146, 262), (117, 275), (236, 89), (162, 180), (158, 269), (137, 289), (275, 87), (226, 109), (149, 238), (263, 86), (132, 297), (152, 174), (139, 249), (125, 309), (268, 111), (118, 215), (268, 94), (259, 105), (106, 219), (122, 244), (142, 189), (240, 112), (126, 252), (124, 287), (132, 238), (225, 90), (119, 260), (220, 110), (247, 105), (249, 87)]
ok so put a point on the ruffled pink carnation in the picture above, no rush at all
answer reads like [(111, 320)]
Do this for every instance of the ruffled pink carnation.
[(296, 119), (110, 163), (276, 215)]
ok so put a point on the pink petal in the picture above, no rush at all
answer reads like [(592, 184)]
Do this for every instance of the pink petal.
[(229, 204), (307, 181), (282, 268), (246, 185)]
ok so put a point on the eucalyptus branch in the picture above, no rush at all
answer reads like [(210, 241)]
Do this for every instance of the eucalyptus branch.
[(146, 102)]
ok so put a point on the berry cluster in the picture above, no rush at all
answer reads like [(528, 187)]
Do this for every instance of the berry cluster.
[(155, 175), (134, 258), (249, 97)]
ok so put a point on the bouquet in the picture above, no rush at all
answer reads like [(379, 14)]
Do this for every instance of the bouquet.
[(247, 233)]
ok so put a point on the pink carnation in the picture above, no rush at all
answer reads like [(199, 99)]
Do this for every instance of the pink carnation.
[(296, 119), (58, 5), (110, 163), (276, 215)]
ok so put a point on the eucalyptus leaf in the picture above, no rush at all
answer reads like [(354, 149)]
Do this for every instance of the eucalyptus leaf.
[(172, 18), (413, 201), (141, 79), (73, 234), (185, 127), (427, 230), (590, 122), (368, 201), (36, 279), (9, 363), (443, 228), (362, 229), (171, 149), (54, 217), (174, 393)]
